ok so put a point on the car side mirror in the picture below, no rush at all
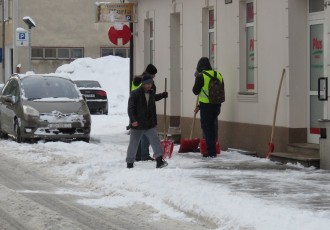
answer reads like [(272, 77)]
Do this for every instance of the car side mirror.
[(10, 99)]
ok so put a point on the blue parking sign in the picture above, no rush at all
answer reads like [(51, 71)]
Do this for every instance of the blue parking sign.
[(21, 36)]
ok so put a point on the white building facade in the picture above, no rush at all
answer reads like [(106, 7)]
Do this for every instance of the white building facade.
[(250, 42)]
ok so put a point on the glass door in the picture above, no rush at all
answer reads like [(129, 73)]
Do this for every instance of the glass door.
[(317, 107)]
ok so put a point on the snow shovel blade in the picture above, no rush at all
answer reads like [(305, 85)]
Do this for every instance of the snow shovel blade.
[(188, 145), (167, 148), (270, 149)]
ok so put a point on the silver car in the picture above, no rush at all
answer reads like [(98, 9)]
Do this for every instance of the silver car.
[(34, 107)]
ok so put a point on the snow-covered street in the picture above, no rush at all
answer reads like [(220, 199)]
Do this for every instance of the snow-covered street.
[(232, 191)]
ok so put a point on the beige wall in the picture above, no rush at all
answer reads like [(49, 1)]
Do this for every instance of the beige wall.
[(59, 23)]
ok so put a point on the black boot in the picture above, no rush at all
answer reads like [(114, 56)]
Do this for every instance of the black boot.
[(161, 163), (130, 165)]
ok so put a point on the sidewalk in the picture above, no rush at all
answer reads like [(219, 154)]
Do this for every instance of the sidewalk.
[(287, 184)]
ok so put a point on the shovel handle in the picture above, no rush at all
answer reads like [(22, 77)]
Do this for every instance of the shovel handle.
[(165, 133), (193, 124)]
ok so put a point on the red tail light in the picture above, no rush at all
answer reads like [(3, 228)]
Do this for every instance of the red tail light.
[(101, 93)]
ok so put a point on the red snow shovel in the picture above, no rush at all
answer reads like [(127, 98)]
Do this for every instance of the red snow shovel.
[(271, 144), (167, 144), (189, 145)]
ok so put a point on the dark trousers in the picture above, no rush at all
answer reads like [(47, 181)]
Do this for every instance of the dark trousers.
[(209, 118)]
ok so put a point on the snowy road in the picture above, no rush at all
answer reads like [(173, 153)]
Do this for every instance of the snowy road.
[(55, 185)]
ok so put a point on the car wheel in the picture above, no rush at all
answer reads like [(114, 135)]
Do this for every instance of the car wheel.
[(18, 132), (3, 135)]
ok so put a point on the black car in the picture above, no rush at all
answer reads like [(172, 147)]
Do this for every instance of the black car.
[(96, 97)]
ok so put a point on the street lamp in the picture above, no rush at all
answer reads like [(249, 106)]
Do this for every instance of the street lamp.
[(30, 23)]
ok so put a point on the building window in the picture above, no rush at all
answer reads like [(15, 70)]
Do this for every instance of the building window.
[(121, 52), (211, 38), (38, 53), (151, 42), (57, 53), (249, 46), (316, 6), (63, 53), (50, 53), (247, 52)]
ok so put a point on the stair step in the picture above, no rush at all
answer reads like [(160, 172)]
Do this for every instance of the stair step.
[(305, 159), (304, 148)]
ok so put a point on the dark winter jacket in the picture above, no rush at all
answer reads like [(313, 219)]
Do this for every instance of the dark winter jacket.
[(139, 111)]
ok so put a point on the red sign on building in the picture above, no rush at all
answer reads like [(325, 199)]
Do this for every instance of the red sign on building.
[(124, 34)]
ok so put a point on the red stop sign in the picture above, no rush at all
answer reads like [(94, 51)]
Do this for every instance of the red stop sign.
[(124, 34)]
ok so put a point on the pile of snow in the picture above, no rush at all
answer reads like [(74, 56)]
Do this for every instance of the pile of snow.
[(111, 71)]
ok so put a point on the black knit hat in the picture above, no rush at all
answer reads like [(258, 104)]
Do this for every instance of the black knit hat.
[(147, 78), (151, 69)]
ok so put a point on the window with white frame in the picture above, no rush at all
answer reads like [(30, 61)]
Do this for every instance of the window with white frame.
[(247, 52), (249, 46), (316, 6), (151, 42), (211, 38)]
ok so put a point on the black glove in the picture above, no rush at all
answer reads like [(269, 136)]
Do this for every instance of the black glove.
[(164, 95)]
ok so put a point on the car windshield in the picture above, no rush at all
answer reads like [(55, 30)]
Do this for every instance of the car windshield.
[(48, 87), (87, 84)]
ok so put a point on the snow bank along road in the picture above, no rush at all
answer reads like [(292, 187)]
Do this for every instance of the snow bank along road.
[(29, 199)]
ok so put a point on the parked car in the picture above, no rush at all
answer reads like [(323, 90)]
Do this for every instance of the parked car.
[(1, 87), (34, 107), (96, 97)]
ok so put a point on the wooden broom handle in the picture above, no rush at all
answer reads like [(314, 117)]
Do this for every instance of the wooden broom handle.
[(193, 124), (165, 133), (278, 96)]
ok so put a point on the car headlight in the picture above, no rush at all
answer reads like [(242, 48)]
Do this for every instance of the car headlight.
[(30, 112)]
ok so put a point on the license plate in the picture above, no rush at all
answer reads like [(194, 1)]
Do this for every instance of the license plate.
[(89, 95), (60, 125)]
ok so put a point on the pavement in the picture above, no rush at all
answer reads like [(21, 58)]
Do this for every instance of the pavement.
[(291, 184)]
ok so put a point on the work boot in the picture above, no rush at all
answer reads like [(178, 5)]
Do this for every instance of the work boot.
[(130, 165), (161, 163)]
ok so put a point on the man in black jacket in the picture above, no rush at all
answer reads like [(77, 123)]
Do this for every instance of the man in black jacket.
[(143, 153), (143, 121)]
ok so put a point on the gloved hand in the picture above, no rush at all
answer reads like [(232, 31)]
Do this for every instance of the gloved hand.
[(164, 95), (196, 110)]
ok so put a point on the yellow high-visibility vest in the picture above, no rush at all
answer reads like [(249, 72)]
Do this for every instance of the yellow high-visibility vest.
[(205, 90), (133, 87)]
